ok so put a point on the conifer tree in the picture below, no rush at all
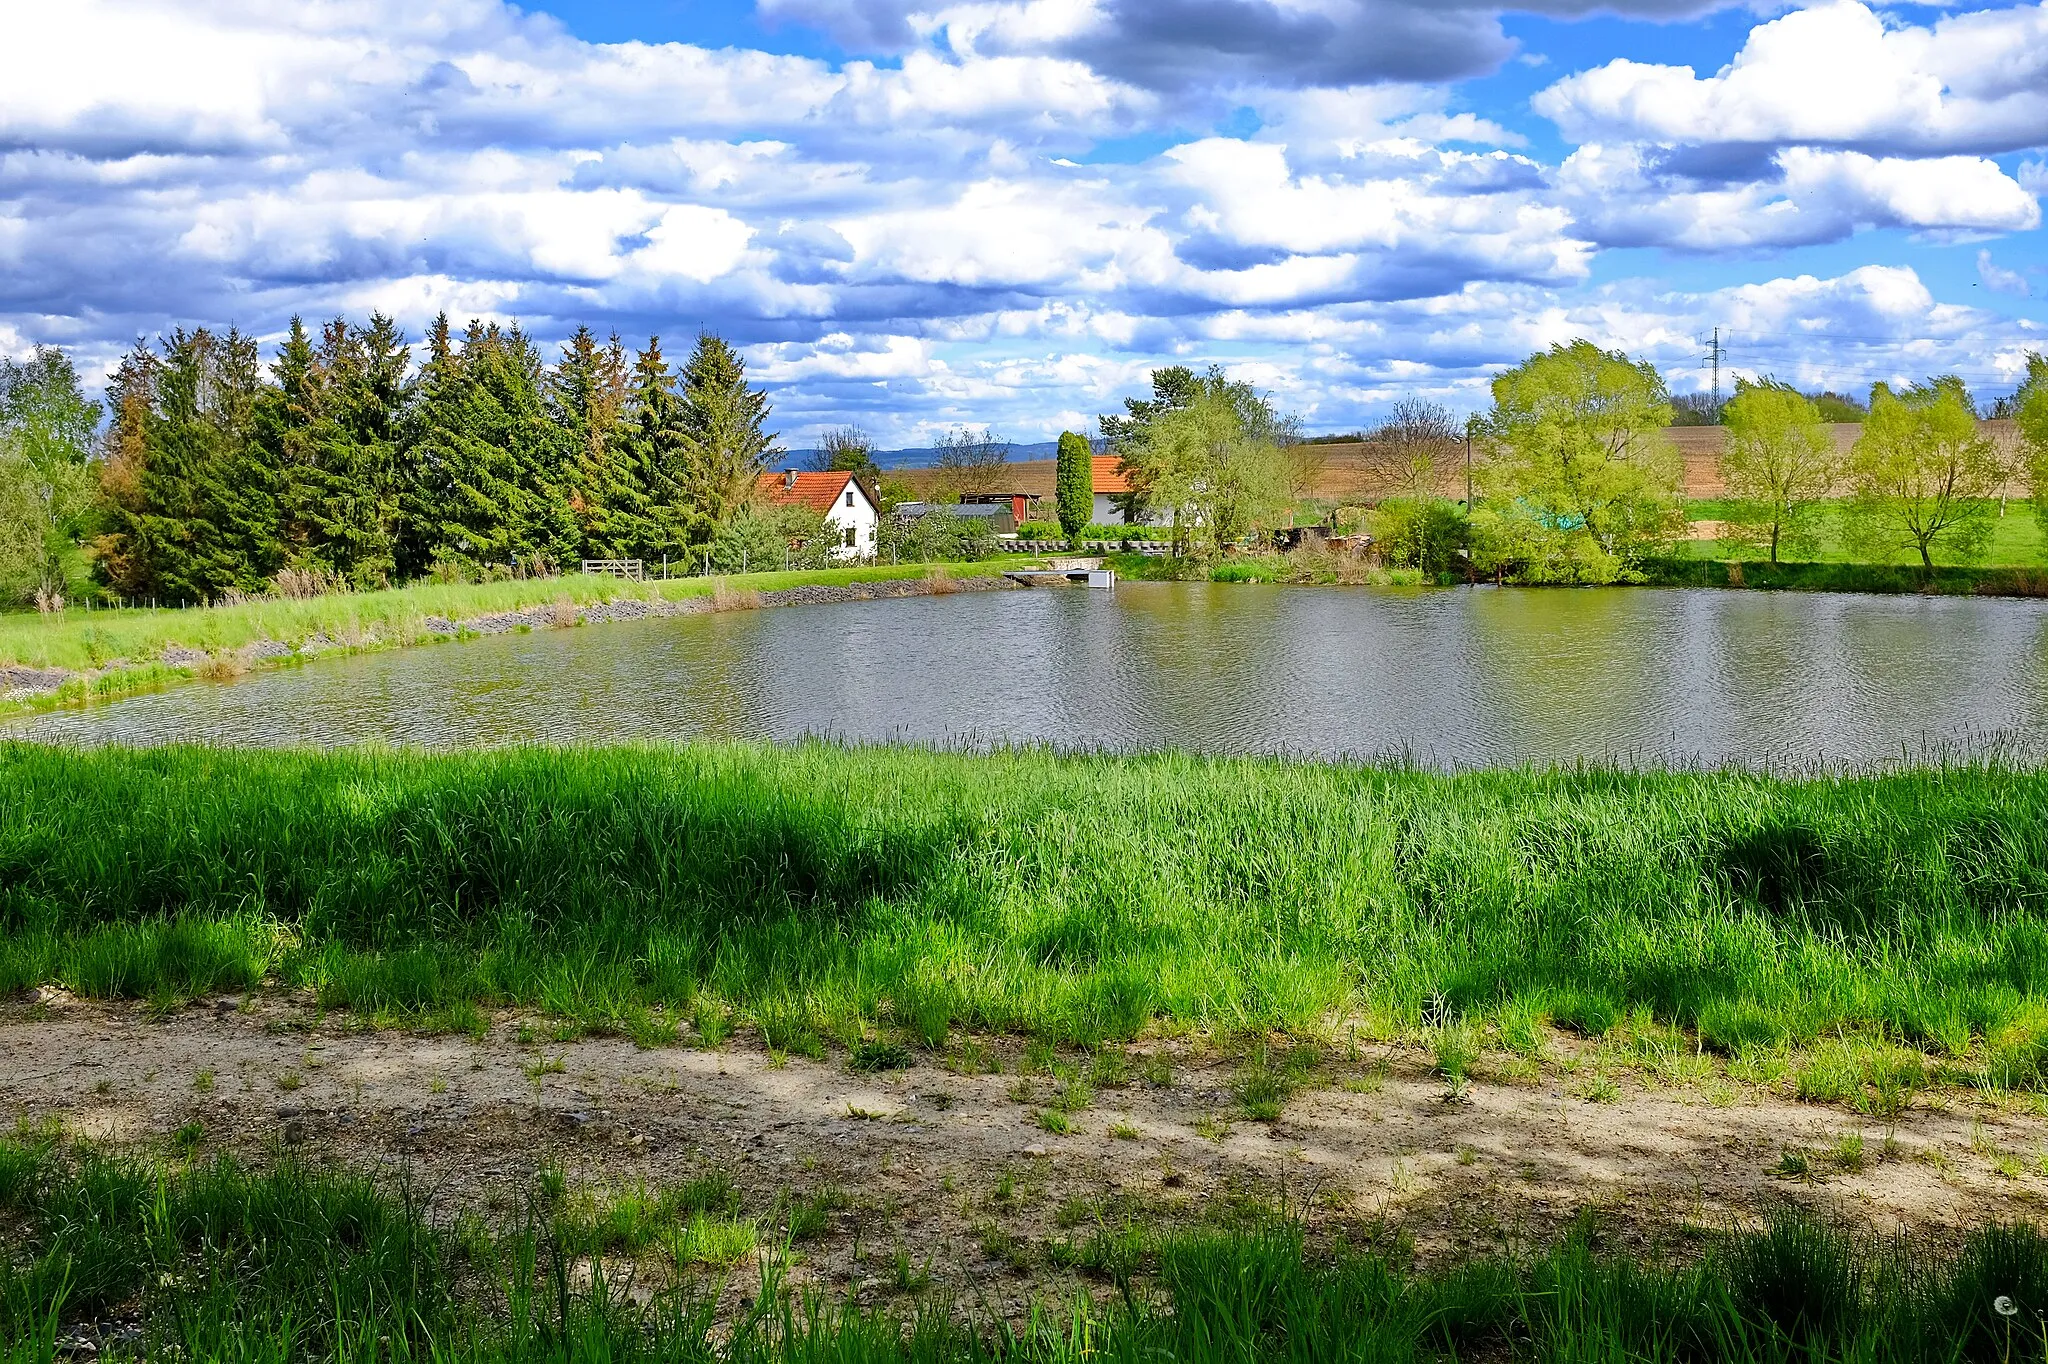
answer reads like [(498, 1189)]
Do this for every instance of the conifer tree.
[(661, 458), (191, 507), (1074, 483), (121, 551), (587, 398), (286, 420), (487, 466), (354, 509), (723, 418)]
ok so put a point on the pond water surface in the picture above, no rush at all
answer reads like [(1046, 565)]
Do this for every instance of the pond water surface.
[(1448, 677)]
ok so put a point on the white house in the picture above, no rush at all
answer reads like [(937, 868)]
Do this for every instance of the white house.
[(846, 506)]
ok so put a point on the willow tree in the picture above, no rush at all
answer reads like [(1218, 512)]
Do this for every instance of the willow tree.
[(1780, 465), (1580, 479), (1215, 462), (1923, 475), (2030, 414)]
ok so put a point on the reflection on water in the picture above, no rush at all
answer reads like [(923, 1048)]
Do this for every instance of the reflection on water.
[(1455, 678)]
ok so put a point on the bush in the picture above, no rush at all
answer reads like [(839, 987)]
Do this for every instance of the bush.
[(938, 536), (766, 538), (1419, 532)]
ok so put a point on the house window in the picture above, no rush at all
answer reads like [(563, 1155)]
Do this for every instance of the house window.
[(849, 537), (849, 498)]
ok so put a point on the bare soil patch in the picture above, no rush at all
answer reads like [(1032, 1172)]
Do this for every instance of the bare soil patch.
[(954, 1166)]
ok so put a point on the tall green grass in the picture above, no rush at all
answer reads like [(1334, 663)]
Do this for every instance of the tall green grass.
[(223, 1262), (820, 890)]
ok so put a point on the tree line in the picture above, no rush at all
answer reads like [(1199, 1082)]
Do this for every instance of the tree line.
[(340, 462), (1571, 477), (209, 472)]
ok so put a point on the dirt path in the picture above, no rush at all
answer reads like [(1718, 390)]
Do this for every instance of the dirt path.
[(955, 1167)]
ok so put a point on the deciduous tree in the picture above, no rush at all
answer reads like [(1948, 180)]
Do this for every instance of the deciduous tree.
[(1580, 478), (1410, 454), (848, 449), (2029, 406), (1173, 387), (1214, 462), (47, 428), (970, 461), (1923, 475), (1780, 465)]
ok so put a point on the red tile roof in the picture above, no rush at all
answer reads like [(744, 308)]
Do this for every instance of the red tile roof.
[(819, 492), (1109, 476)]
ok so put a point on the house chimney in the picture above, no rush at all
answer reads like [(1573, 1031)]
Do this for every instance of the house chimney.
[(789, 480)]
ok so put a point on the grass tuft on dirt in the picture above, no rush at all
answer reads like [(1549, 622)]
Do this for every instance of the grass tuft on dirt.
[(218, 1261)]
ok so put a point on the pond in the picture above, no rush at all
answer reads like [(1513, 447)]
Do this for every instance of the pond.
[(1449, 678)]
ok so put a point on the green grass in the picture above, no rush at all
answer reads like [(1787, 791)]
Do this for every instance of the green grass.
[(226, 1262), (844, 893), (78, 639)]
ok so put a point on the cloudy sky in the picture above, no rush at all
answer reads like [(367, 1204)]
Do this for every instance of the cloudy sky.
[(915, 213)]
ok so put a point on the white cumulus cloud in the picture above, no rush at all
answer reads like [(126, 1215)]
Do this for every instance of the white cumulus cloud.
[(1835, 74)]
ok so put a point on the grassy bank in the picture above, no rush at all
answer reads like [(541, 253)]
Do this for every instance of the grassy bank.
[(77, 639), (213, 1261), (1847, 577), (821, 893), (1301, 568)]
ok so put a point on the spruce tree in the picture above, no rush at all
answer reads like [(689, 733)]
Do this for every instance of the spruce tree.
[(286, 418), (587, 399), (723, 418), (191, 507), (421, 481), (354, 514), (487, 486), (121, 548), (659, 445)]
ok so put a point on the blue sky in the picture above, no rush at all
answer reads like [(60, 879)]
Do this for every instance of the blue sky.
[(920, 214)]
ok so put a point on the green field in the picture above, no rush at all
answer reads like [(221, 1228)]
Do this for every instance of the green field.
[(2016, 541), (221, 1262), (1895, 925)]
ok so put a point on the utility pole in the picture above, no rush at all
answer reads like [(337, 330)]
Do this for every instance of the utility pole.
[(1468, 468), (1714, 355)]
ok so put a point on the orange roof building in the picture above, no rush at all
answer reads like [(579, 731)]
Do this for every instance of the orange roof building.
[(1109, 475), (837, 496)]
